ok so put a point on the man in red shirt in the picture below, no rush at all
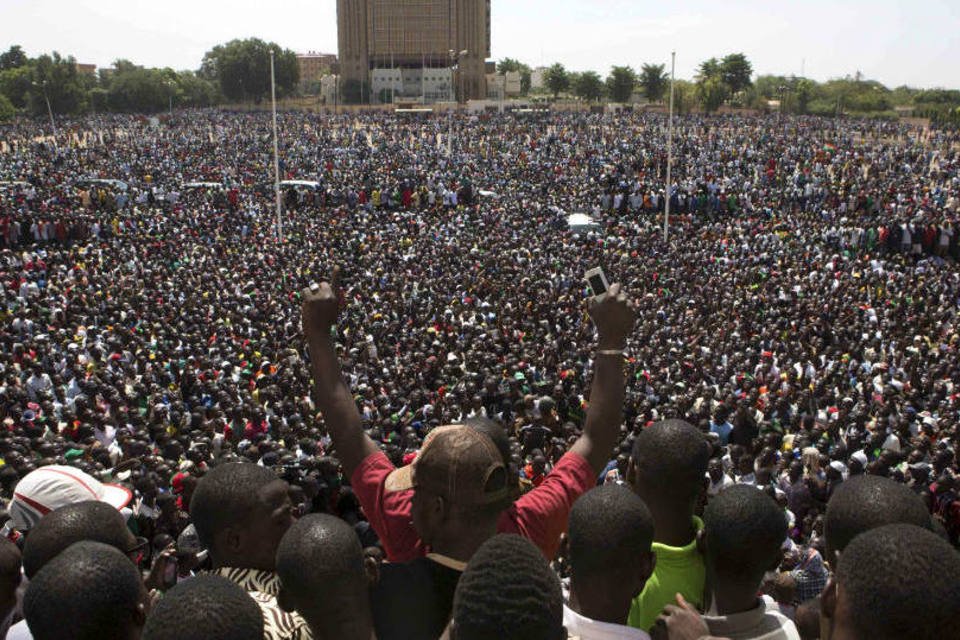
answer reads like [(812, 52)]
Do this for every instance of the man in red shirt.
[(540, 515)]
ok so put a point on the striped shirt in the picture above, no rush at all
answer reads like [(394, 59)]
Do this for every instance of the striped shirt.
[(263, 587)]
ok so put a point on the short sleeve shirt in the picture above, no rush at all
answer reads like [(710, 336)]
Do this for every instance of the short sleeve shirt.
[(540, 515), (679, 570)]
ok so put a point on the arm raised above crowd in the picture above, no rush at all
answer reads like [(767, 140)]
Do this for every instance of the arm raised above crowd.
[(320, 309), (614, 317)]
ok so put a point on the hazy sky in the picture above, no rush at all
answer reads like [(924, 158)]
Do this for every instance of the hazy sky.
[(914, 42)]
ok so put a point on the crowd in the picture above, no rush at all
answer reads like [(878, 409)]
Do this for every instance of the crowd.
[(750, 435)]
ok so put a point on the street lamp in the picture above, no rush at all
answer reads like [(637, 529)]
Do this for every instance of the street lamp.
[(170, 86), (53, 125), (454, 65)]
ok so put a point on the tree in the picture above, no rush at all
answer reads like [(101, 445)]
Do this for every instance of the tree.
[(354, 91), (556, 79), (55, 78), (589, 86), (15, 85), (140, 90), (12, 58), (653, 79), (6, 109), (735, 70), (620, 83), (241, 68), (509, 64), (711, 92), (709, 69)]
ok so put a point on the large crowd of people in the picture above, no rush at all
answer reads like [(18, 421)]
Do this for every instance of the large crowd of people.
[(390, 406)]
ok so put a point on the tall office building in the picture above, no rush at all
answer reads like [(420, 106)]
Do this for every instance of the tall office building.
[(403, 47)]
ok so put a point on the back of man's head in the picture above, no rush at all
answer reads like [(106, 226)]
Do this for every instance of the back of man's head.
[(743, 530), (91, 591), (9, 576), (94, 521), (230, 497), (320, 565), (610, 535), (508, 592), (669, 462), (205, 607), (897, 581), (866, 502)]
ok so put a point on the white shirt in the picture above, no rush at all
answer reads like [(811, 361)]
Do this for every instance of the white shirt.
[(587, 629)]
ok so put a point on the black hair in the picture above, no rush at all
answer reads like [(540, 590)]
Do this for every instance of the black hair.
[(671, 459), (9, 560), (206, 606), (317, 552), (508, 592), (225, 496), (91, 591), (866, 502), (744, 529), (495, 431), (900, 581), (610, 528), (91, 520)]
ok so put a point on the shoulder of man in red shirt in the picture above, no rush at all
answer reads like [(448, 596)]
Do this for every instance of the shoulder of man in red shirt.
[(540, 515)]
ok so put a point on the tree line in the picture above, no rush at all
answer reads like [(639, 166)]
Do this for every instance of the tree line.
[(237, 71), (730, 81)]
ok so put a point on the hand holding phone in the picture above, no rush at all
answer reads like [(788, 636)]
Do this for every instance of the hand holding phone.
[(597, 281)]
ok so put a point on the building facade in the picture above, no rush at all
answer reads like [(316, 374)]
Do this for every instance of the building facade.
[(382, 42), (313, 66)]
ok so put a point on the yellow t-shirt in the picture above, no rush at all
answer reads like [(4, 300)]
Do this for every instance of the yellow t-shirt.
[(679, 570)]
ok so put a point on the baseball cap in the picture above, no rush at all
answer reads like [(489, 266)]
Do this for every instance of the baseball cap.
[(456, 462), (49, 488)]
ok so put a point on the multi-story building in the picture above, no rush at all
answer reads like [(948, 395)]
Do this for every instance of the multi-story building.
[(404, 47), (314, 66)]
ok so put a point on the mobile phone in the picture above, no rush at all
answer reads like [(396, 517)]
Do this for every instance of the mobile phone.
[(597, 281)]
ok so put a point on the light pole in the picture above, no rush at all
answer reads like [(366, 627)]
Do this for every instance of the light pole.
[(454, 65), (170, 86), (666, 205), (53, 125), (276, 155)]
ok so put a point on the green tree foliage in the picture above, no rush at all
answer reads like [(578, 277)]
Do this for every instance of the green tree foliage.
[(139, 90), (556, 79), (6, 109), (654, 80), (684, 96), (12, 58), (15, 85), (354, 91), (736, 70), (242, 69), (711, 92), (56, 78), (620, 83), (588, 86), (509, 64)]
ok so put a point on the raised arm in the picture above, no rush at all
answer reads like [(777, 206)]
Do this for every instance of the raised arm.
[(614, 318), (320, 309)]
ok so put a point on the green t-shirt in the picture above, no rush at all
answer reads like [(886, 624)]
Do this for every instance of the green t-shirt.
[(679, 570)]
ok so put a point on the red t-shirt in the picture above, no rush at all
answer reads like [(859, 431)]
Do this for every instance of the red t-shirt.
[(540, 515)]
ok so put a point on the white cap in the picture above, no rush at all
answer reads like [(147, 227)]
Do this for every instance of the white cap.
[(49, 488)]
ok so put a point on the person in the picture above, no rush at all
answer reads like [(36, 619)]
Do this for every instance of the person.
[(743, 533), (205, 607), (10, 580), (865, 502), (667, 470), (508, 592), (460, 488), (91, 591), (894, 581), (54, 486), (610, 538), (542, 513), (81, 521), (320, 564), (241, 512)]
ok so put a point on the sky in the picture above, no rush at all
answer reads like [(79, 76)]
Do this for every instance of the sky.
[(897, 42)]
